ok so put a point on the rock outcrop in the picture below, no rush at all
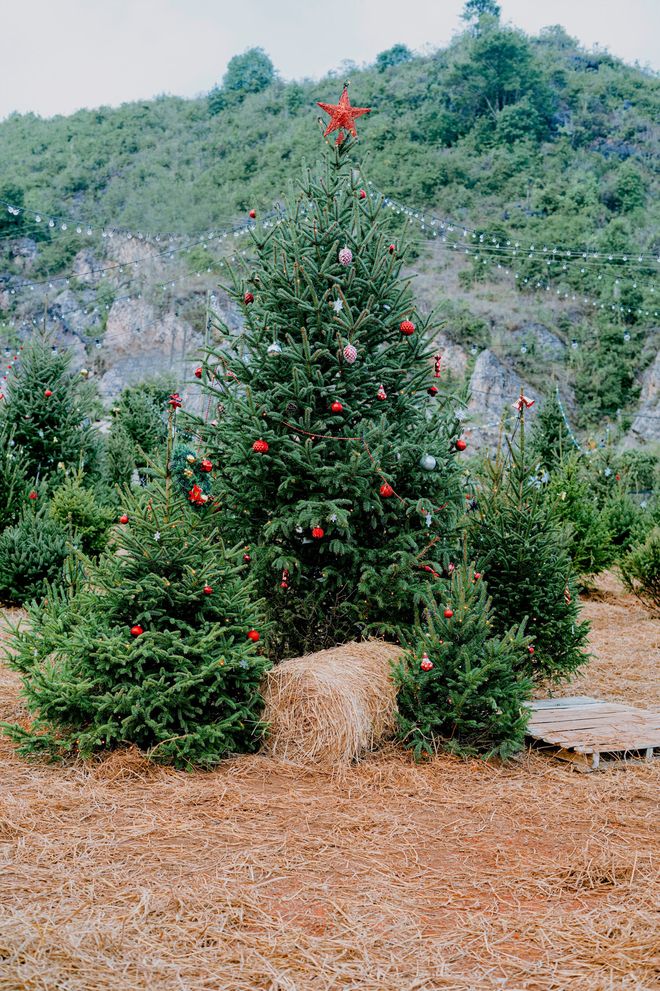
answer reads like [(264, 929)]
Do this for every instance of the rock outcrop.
[(645, 427), (494, 387)]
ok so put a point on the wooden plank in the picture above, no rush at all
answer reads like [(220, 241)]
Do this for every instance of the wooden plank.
[(589, 727)]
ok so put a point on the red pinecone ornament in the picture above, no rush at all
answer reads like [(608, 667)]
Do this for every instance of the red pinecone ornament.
[(449, 613), (317, 533), (407, 328), (427, 663), (249, 298), (260, 446), (136, 631), (207, 590), (336, 407), (198, 372), (253, 636), (123, 519), (460, 444), (386, 490)]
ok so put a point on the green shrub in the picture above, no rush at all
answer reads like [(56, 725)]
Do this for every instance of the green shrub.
[(589, 540), (640, 569), (78, 510), (473, 698), (32, 553)]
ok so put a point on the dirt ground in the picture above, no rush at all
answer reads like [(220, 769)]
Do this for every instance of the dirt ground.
[(388, 876)]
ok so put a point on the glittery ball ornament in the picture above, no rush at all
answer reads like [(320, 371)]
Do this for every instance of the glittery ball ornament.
[(350, 354), (407, 328), (274, 348), (317, 533), (198, 372), (427, 462), (260, 446), (345, 256), (427, 663), (386, 490), (249, 298), (205, 465)]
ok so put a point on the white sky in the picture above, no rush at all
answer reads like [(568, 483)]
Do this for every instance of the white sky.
[(60, 55)]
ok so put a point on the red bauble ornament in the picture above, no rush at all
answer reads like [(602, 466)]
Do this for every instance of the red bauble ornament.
[(205, 465), (175, 400), (317, 533), (433, 390), (136, 631), (342, 117), (363, 195), (460, 444), (247, 558), (427, 663), (48, 392), (249, 298), (198, 372), (391, 249), (407, 328), (123, 519), (253, 213), (531, 650), (260, 446), (350, 354), (253, 636), (477, 576), (207, 590), (449, 613), (33, 495), (336, 407), (386, 490)]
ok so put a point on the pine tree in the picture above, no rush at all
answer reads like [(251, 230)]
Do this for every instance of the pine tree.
[(326, 414), (551, 441), (47, 409), (79, 511), (13, 480), (458, 688), (589, 541), (119, 460), (32, 556), (154, 646), (520, 543)]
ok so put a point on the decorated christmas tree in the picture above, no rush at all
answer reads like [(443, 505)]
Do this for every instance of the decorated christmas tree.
[(458, 687), (156, 645), (337, 457), (520, 542), (48, 409)]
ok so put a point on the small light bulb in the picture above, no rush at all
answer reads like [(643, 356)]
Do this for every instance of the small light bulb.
[(64, 225), (53, 350), (98, 343), (78, 229), (89, 230), (574, 344), (38, 219), (51, 222)]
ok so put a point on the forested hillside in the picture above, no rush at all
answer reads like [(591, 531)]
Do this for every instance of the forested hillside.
[(523, 138)]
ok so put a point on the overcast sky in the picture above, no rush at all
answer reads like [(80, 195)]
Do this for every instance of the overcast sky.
[(60, 55)]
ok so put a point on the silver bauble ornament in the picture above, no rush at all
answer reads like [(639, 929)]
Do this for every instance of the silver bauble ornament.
[(274, 348), (427, 462)]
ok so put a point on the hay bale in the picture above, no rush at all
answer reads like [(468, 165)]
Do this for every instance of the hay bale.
[(330, 706)]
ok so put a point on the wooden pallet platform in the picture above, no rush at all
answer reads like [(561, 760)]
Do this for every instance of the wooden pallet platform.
[(584, 728)]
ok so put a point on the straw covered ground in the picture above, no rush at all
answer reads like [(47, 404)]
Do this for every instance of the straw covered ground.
[(385, 876)]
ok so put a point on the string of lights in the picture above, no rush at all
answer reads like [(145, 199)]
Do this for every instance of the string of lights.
[(429, 221)]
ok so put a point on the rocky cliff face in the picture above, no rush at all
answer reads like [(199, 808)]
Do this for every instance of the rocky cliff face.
[(494, 387), (645, 427)]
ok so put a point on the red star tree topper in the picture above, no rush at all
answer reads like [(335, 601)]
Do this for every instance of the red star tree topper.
[(342, 116)]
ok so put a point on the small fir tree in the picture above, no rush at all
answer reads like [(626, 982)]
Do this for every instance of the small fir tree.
[(78, 510), (119, 460), (589, 541), (155, 647), (14, 487), (458, 688), (551, 441), (520, 542), (32, 555), (338, 464), (48, 410)]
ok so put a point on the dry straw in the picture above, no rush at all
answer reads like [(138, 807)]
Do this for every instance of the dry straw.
[(333, 706)]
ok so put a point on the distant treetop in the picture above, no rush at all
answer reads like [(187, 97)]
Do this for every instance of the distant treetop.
[(250, 72), (393, 56), (474, 9)]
